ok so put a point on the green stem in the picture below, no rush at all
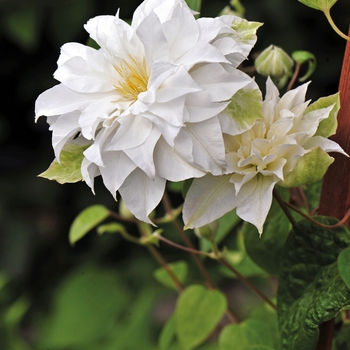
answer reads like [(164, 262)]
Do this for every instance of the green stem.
[(179, 287), (187, 249), (333, 25), (328, 227), (283, 206), (246, 282)]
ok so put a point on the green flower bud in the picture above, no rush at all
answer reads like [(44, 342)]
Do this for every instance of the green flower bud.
[(208, 231), (276, 63)]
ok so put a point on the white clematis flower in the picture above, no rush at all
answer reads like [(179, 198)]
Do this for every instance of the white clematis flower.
[(148, 99), (285, 147)]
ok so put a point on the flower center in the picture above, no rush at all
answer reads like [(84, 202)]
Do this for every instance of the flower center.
[(133, 78)]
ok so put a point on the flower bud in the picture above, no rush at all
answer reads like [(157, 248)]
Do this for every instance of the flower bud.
[(274, 62), (208, 231)]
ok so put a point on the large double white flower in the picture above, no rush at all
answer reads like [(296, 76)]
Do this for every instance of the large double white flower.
[(285, 146), (147, 101)]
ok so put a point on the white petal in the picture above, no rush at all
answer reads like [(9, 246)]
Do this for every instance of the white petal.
[(64, 129), (256, 206), (89, 171), (142, 194), (181, 32), (171, 166), (78, 75), (151, 34), (209, 198), (59, 100), (326, 144), (132, 132), (142, 155), (95, 113), (208, 146), (178, 84), (199, 107), (220, 84), (95, 151), (117, 168), (202, 52), (117, 39)]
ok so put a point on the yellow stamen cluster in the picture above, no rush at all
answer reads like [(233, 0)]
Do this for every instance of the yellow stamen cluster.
[(133, 78)]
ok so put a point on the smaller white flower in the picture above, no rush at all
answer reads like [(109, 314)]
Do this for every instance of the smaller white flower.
[(283, 147)]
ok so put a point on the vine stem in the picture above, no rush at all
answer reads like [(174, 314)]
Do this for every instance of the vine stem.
[(333, 25), (283, 206), (178, 246), (179, 287), (327, 227), (246, 282), (168, 208), (294, 77)]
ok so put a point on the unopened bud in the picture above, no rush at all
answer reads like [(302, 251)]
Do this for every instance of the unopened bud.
[(208, 231), (275, 63)]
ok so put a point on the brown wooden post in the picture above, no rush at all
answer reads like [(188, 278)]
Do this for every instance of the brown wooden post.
[(335, 195)]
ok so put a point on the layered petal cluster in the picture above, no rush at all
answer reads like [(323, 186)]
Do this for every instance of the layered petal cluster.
[(284, 147), (146, 103)]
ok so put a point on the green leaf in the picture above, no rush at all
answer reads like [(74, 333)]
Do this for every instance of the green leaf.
[(23, 27), (259, 331), (198, 311), (167, 334), (194, 5), (245, 108), (344, 266), (321, 5), (87, 220), (328, 126), (242, 263), (266, 251), (74, 15), (311, 290), (311, 167), (85, 308), (180, 270), (68, 169)]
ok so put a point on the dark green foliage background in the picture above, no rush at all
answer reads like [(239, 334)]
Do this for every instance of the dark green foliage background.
[(35, 214)]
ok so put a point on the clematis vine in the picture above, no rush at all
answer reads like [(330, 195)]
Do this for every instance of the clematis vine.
[(144, 107), (286, 146)]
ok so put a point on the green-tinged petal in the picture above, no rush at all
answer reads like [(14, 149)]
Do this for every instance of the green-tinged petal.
[(327, 126), (319, 4), (245, 29), (68, 170), (244, 109), (309, 168), (208, 199)]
